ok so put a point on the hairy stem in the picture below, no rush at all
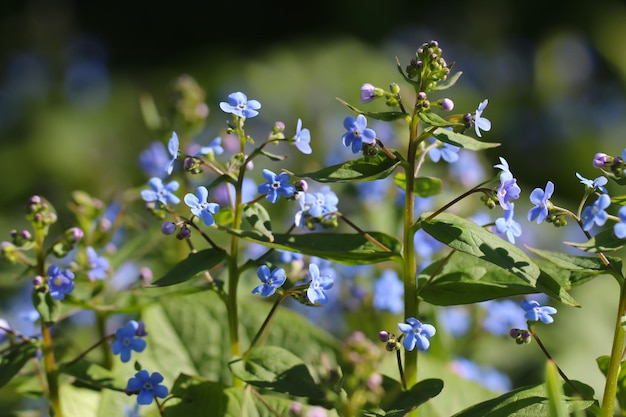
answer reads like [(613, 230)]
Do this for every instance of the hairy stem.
[(610, 386)]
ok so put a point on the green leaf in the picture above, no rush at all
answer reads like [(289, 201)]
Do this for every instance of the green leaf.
[(46, 306), (605, 241), (528, 401), (466, 236), (458, 139), (361, 169), (94, 375), (190, 266), (384, 116), (422, 186), (433, 119), (14, 359), (603, 364), (79, 402), (556, 399), (591, 264), (344, 248), (396, 403), (272, 156), (449, 82), (259, 219), (277, 369)]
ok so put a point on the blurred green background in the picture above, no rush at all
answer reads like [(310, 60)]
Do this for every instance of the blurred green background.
[(72, 74)]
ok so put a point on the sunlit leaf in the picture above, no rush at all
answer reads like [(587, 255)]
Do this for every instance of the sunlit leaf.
[(384, 116), (361, 169), (189, 267), (449, 82), (605, 241), (48, 308), (94, 375), (422, 186), (259, 219), (14, 358), (463, 141), (434, 119)]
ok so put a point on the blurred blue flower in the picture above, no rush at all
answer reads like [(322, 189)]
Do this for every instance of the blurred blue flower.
[(357, 133), (620, 227), (455, 320), (480, 123), (276, 185), (319, 283), (445, 151), (164, 194), (535, 311), (200, 207), (467, 170), (213, 148), (270, 280), (172, 148), (389, 292), (486, 376), (508, 226), (4, 326), (239, 105), (153, 159), (302, 138), (595, 214), (541, 200), (147, 387), (286, 256), (98, 265), (318, 205), (502, 316), (416, 334), (127, 339), (597, 184), (60, 282)]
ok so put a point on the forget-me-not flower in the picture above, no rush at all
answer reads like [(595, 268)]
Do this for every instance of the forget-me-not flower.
[(535, 311), (239, 105), (508, 226), (508, 188), (153, 159), (389, 292), (98, 265), (357, 133), (302, 138), (213, 148), (595, 213), (445, 151), (146, 386), (620, 227), (318, 205), (60, 282), (416, 333), (270, 280), (164, 194), (319, 283), (127, 339), (541, 200), (456, 320), (599, 183), (480, 123), (276, 185), (200, 207), (172, 148)]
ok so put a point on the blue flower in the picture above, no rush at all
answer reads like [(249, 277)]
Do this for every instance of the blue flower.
[(389, 292), (455, 320), (357, 133), (98, 265), (599, 183), (445, 151), (535, 311), (479, 121), (541, 200), (620, 227), (595, 214), (508, 188), (164, 194), (319, 283), (147, 386), (172, 147), (302, 138), (416, 333), (200, 207), (508, 226), (486, 376), (213, 148), (239, 105), (319, 205), (153, 159), (60, 282), (271, 280), (127, 339), (276, 185)]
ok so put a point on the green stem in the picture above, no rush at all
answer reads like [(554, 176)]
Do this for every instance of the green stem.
[(266, 323), (610, 387)]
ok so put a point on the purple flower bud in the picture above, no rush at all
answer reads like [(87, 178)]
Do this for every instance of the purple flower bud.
[(601, 160), (184, 233), (168, 228), (367, 93), (38, 280), (26, 235), (145, 274), (383, 336), (278, 127), (35, 199), (141, 329), (303, 185), (188, 163), (421, 96), (74, 234), (447, 104), (295, 409), (374, 381)]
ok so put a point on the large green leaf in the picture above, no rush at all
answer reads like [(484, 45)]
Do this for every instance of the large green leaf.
[(397, 403), (94, 375), (529, 401), (463, 141), (80, 402), (277, 369), (191, 266), (422, 186), (576, 262), (14, 358), (361, 169), (384, 116), (434, 119), (344, 248), (466, 236), (48, 308), (605, 241)]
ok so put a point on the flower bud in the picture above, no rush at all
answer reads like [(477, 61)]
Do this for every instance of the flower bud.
[(168, 228), (383, 336), (367, 93), (74, 234), (183, 233), (602, 160), (447, 104), (302, 185), (38, 280), (278, 127)]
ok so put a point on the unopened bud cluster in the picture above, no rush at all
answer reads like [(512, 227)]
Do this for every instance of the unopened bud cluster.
[(521, 336), (40, 213), (428, 67)]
